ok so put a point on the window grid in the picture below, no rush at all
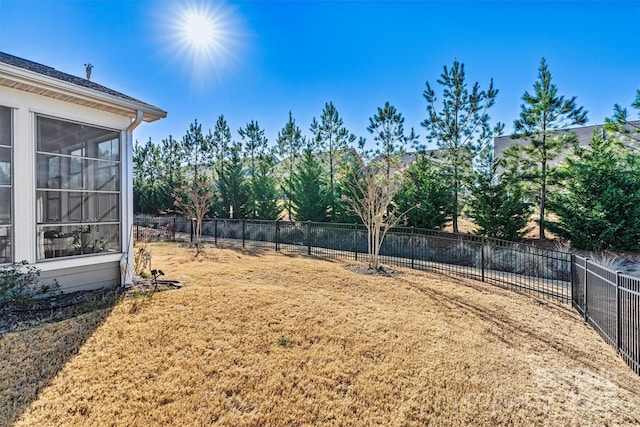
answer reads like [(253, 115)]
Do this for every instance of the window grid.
[(78, 189), (6, 185)]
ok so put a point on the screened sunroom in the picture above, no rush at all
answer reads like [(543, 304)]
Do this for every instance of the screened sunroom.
[(66, 173)]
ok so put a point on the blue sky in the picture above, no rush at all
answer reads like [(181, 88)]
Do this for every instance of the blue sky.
[(273, 57)]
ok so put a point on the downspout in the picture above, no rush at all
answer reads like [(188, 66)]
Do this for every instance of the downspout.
[(126, 263)]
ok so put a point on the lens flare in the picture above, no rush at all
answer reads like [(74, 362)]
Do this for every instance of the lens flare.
[(197, 29), (202, 37)]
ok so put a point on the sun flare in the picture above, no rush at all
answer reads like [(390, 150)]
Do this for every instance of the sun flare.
[(197, 29), (203, 38)]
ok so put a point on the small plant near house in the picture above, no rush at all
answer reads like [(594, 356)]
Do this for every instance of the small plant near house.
[(141, 258), (20, 283)]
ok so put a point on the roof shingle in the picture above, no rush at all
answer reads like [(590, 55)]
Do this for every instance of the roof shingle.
[(59, 75)]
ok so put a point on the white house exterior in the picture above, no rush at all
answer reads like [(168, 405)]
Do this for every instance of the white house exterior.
[(66, 192)]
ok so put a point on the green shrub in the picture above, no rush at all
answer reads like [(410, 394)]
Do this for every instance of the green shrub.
[(20, 283), (598, 206)]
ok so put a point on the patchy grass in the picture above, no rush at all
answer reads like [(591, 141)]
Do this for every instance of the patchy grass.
[(261, 338)]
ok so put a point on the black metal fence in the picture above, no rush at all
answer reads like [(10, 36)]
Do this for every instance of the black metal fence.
[(543, 272), (610, 302)]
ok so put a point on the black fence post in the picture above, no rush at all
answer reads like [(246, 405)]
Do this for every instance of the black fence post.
[(138, 229), (413, 246), (244, 228), (584, 284), (191, 230), (215, 231), (355, 239), (277, 238), (482, 257), (618, 311), (572, 272), (308, 237)]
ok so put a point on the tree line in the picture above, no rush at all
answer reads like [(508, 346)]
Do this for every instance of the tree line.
[(593, 195)]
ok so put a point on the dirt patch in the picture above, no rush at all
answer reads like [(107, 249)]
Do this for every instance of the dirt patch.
[(370, 271)]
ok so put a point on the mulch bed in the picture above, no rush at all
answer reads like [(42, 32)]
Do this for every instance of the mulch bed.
[(19, 316), (368, 270), (146, 286)]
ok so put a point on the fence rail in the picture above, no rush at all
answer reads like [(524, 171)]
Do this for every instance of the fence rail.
[(609, 301)]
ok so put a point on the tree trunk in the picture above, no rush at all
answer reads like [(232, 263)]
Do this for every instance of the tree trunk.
[(543, 200), (455, 205), (375, 263), (198, 236), (543, 187), (331, 189)]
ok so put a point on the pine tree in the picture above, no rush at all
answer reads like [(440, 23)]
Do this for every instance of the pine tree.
[(255, 147), (146, 167), (157, 173), (221, 141), (308, 192), (598, 207), (254, 142), (387, 127), (427, 189), (350, 173), (289, 142), (172, 176), (197, 151), (497, 206), (235, 182), (619, 124), (334, 139), (264, 190), (461, 126), (542, 115)]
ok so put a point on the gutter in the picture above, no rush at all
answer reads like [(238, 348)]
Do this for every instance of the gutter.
[(126, 262), (134, 124)]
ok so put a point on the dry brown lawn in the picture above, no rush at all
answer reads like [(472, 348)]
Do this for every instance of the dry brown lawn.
[(262, 338)]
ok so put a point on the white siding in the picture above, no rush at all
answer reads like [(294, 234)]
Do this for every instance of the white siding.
[(26, 106)]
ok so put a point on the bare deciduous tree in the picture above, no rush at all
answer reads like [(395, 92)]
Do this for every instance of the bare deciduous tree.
[(371, 198), (194, 201)]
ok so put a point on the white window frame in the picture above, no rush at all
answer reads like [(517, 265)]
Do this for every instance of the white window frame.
[(11, 147), (40, 258)]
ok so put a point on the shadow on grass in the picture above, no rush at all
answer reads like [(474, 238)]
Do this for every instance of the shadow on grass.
[(234, 245), (32, 356)]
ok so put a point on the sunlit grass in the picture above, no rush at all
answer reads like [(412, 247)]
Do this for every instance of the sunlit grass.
[(261, 338)]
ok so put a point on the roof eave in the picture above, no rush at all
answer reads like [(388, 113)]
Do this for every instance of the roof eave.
[(30, 81)]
